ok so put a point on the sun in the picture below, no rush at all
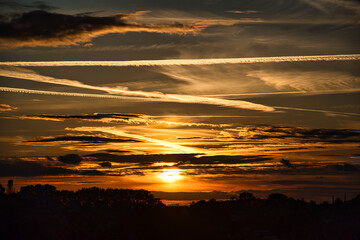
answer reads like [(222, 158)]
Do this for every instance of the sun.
[(170, 175)]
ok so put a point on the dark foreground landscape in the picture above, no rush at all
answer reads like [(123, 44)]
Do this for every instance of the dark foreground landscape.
[(42, 212)]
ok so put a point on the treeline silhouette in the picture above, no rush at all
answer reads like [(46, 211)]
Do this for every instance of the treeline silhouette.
[(42, 212)]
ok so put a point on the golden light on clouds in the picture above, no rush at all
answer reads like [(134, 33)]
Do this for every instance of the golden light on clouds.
[(170, 175)]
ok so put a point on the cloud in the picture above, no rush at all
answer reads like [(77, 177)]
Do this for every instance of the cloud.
[(42, 28), (91, 172), (126, 118), (105, 164), (71, 94), (34, 5), (346, 167), (306, 80), (7, 108), (73, 159), (179, 159), (243, 11), (286, 163), (335, 6), (95, 116), (86, 139), (115, 131), (327, 112), (304, 135), (148, 96), (16, 167)]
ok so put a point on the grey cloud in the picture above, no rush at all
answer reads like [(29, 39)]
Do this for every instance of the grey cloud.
[(86, 139), (10, 168), (91, 172), (346, 167), (94, 116), (73, 159), (286, 163), (105, 164), (304, 134), (178, 158), (41, 5)]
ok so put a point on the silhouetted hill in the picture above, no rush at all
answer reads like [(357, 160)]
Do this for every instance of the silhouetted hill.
[(42, 212)]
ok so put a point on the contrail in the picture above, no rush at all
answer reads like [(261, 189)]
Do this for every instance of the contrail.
[(112, 130), (180, 98), (70, 94), (316, 110), (230, 95), (171, 62), (161, 98), (145, 99)]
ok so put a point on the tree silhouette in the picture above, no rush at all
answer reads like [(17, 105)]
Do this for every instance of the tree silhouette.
[(2, 190), (42, 212), (10, 187)]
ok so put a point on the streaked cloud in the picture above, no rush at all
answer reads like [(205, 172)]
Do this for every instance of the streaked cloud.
[(329, 6), (152, 96), (118, 132), (307, 80), (126, 118), (7, 108), (82, 138), (243, 11)]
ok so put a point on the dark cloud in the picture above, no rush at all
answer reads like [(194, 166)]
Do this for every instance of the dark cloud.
[(91, 172), (178, 158), (312, 182), (105, 164), (286, 163), (94, 116), (116, 151), (42, 28), (290, 149), (87, 139), (70, 159), (193, 195), (41, 5), (346, 167), (303, 134), (11, 168)]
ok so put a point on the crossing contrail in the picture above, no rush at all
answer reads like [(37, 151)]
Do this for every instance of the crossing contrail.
[(145, 99), (15, 72), (177, 98), (171, 62), (71, 94)]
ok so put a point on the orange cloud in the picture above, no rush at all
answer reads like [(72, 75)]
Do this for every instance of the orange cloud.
[(7, 108), (41, 28)]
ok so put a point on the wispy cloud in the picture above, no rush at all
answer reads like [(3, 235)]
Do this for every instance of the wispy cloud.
[(308, 81), (7, 108), (329, 6), (152, 96), (127, 118), (316, 110), (243, 11), (115, 131)]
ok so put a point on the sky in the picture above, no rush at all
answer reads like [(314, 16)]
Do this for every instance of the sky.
[(188, 99)]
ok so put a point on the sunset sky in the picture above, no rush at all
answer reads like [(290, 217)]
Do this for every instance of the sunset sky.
[(188, 99)]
